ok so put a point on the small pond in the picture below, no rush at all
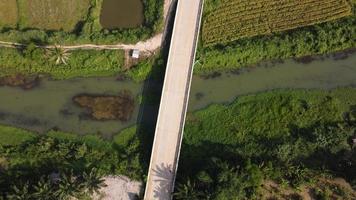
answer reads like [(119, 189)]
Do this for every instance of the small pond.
[(116, 14)]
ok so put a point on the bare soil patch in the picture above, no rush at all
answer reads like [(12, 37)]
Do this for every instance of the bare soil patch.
[(20, 80), (119, 188), (120, 107)]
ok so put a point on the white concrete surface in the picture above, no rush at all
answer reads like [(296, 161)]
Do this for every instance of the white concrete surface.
[(175, 95)]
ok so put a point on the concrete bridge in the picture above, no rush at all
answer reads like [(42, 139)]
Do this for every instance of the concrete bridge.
[(174, 101)]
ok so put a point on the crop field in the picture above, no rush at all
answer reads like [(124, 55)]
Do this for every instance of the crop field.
[(8, 13), (42, 14), (235, 19), (52, 15)]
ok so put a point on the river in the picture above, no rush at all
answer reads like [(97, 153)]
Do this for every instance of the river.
[(50, 106)]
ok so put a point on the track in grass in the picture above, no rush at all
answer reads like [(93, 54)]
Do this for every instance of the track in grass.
[(235, 19)]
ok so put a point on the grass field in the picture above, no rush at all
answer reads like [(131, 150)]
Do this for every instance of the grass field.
[(324, 38), (81, 63), (8, 13), (235, 19), (52, 15), (289, 136)]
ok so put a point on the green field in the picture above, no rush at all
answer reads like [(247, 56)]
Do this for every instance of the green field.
[(336, 35), (47, 15), (289, 136), (52, 15), (236, 19), (81, 63), (8, 13)]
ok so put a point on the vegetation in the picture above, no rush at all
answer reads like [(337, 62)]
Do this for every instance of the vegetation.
[(8, 13), (233, 20), (52, 15), (290, 137), (59, 55), (150, 67), (61, 165), (73, 22), (80, 63), (323, 38)]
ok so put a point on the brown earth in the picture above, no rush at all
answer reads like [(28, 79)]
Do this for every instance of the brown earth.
[(52, 15), (20, 80), (8, 13), (119, 107)]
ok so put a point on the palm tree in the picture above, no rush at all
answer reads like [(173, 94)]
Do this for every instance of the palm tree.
[(44, 189), (68, 186), (21, 193), (93, 181), (187, 191), (58, 55)]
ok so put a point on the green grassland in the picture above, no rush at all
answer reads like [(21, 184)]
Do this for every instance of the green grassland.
[(322, 38), (81, 63), (289, 136)]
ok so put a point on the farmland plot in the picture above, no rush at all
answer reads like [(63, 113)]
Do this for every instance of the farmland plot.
[(8, 13), (235, 19), (53, 14)]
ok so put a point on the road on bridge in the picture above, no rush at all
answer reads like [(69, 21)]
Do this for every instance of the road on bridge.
[(174, 101)]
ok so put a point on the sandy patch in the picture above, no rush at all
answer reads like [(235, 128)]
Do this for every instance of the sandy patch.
[(119, 188)]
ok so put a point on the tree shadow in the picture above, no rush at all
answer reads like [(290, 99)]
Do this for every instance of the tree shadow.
[(165, 177)]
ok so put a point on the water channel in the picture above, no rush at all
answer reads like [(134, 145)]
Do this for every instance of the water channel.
[(50, 104)]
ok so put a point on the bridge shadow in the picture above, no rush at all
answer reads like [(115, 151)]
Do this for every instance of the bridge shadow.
[(152, 92)]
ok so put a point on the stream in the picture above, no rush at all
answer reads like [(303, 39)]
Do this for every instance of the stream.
[(50, 105)]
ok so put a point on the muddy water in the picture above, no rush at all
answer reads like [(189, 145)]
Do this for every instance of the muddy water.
[(117, 14), (50, 105), (323, 73)]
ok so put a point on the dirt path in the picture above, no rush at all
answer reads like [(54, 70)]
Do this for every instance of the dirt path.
[(149, 45)]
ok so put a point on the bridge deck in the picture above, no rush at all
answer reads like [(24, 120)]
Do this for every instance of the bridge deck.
[(175, 94)]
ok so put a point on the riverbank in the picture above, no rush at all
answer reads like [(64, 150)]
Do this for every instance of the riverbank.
[(289, 136), (33, 52), (283, 137), (34, 113)]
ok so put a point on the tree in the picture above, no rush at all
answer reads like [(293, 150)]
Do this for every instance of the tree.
[(21, 193), (44, 190), (68, 186), (93, 181), (187, 191), (58, 55)]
